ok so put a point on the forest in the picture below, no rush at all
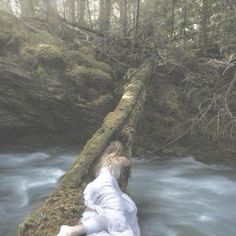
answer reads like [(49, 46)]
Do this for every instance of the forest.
[(192, 44), (160, 75)]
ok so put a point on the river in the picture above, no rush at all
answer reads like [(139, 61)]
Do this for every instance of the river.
[(175, 196)]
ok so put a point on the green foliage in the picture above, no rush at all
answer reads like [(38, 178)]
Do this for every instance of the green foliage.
[(49, 54)]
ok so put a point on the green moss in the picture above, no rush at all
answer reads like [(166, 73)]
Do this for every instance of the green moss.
[(50, 55), (10, 40), (101, 101), (81, 59), (28, 55), (89, 77), (11, 36)]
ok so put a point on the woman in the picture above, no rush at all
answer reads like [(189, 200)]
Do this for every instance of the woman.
[(109, 211)]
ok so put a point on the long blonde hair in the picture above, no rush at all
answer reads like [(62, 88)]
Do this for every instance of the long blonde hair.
[(112, 157)]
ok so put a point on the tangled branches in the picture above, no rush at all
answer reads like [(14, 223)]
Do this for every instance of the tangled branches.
[(209, 100)]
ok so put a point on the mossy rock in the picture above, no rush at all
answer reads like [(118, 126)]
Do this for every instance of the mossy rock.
[(11, 37), (10, 40), (28, 55), (50, 55), (83, 60), (101, 104), (89, 77)]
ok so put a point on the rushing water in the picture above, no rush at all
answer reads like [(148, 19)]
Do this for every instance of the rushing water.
[(175, 197), (184, 197)]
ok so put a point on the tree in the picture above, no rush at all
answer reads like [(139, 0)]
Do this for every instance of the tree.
[(104, 14), (51, 11), (203, 39), (6, 5), (101, 13), (172, 21), (71, 6), (123, 15), (27, 7), (184, 19), (80, 11), (137, 18)]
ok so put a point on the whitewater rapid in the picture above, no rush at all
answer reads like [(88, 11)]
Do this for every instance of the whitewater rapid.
[(175, 196)]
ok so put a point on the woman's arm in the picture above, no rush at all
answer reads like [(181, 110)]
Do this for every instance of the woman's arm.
[(122, 161)]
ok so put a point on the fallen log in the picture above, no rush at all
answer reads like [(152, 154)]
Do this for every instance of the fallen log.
[(65, 205)]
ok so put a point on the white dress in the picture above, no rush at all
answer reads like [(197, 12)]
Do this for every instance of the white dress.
[(105, 197)]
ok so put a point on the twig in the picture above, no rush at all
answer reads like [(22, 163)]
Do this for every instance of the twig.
[(226, 97), (113, 58), (186, 132)]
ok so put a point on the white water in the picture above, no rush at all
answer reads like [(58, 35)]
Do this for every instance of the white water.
[(175, 197), (25, 181), (184, 197)]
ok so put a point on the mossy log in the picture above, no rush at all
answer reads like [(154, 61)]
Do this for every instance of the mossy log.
[(65, 205)]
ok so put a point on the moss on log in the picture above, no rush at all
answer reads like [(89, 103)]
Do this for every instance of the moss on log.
[(65, 205)]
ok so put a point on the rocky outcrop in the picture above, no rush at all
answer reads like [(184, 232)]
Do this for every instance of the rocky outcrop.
[(47, 85)]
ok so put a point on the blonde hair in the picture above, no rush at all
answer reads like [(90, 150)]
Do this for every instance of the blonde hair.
[(111, 157)]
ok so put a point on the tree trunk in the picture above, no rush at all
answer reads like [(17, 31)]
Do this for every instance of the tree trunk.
[(184, 19), (27, 7), (51, 11), (101, 14), (80, 11), (71, 5), (137, 18), (123, 16), (107, 15), (89, 13), (204, 26), (104, 15), (172, 21)]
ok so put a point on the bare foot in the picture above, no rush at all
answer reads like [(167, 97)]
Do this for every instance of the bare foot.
[(71, 230)]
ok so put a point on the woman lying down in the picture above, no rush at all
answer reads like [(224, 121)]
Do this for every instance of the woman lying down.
[(109, 211)]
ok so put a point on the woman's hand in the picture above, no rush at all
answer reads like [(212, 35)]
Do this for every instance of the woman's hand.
[(122, 161)]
